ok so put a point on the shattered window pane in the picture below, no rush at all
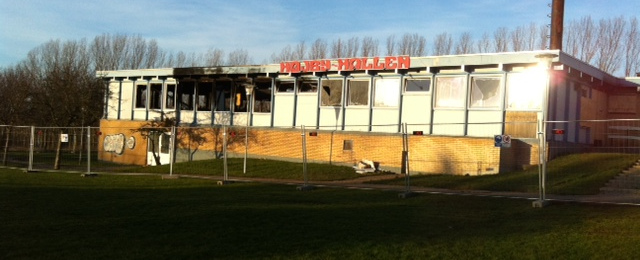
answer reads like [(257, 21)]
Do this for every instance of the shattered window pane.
[(331, 92)]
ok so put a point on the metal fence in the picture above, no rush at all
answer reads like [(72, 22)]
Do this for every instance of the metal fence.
[(465, 149)]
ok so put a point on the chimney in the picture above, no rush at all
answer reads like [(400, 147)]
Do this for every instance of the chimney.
[(557, 17)]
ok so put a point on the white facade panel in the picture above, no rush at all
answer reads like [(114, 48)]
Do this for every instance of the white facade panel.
[(283, 110), (485, 123), (357, 119), (448, 122), (330, 118), (416, 112), (307, 110), (261, 119), (385, 120)]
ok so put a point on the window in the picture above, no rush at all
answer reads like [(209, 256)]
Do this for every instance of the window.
[(358, 92), (331, 92), (285, 86), (347, 145), (186, 95), (485, 92), (308, 86), (417, 85), (525, 90), (450, 92), (171, 97), (240, 101), (141, 96), (205, 93), (156, 96), (386, 92), (223, 96), (262, 97)]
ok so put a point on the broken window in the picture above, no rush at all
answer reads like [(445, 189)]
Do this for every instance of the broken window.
[(285, 86), (141, 96), (262, 97), (240, 102), (450, 92), (156, 96), (485, 92), (222, 95), (417, 85), (186, 95), (386, 92), (308, 86), (171, 97), (205, 93), (331, 92), (358, 92)]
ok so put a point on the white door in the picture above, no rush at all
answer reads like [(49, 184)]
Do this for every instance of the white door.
[(159, 144)]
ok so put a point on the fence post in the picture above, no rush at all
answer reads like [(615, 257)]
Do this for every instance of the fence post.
[(31, 147), (306, 185), (88, 149), (172, 149), (405, 163)]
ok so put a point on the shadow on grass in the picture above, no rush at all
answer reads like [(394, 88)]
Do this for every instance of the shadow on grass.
[(64, 216)]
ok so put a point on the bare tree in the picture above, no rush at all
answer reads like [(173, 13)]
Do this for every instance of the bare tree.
[(543, 35), (484, 44), (580, 37), (531, 37), (632, 48), (299, 51), (214, 57), (353, 46), (609, 44), (501, 40), (338, 48), (318, 50), (412, 45), (369, 47), (518, 40), (442, 44), (286, 54), (391, 45), (67, 92), (465, 44), (238, 57)]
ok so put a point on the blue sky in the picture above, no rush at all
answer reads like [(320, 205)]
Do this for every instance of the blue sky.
[(263, 27)]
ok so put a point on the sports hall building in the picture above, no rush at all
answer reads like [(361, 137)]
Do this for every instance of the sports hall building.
[(453, 107)]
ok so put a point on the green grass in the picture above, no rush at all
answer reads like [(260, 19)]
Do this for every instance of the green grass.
[(258, 168), (64, 216), (579, 174)]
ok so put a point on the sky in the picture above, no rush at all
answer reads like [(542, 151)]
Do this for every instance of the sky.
[(265, 27)]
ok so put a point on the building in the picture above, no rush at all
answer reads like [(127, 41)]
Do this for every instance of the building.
[(461, 99)]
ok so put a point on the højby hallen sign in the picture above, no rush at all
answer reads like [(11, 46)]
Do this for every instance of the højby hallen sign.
[(350, 64)]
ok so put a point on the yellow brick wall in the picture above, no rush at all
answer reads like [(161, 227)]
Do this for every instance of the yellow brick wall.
[(427, 154)]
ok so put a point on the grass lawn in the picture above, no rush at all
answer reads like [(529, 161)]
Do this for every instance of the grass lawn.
[(580, 174), (64, 216)]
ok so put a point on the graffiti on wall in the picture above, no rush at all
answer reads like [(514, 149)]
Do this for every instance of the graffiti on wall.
[(116, 143)]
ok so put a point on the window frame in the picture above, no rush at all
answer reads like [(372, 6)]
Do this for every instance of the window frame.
[(258, 93), (140, 96), (438, 91), (331, 98), (351, 99), (396, 92), (417, 92), (303, 86), (499, 95)]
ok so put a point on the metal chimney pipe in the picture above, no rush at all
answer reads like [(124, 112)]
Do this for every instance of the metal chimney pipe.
[(557, 17)]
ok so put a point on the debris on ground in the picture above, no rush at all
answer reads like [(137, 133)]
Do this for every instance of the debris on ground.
[(366, 166)]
